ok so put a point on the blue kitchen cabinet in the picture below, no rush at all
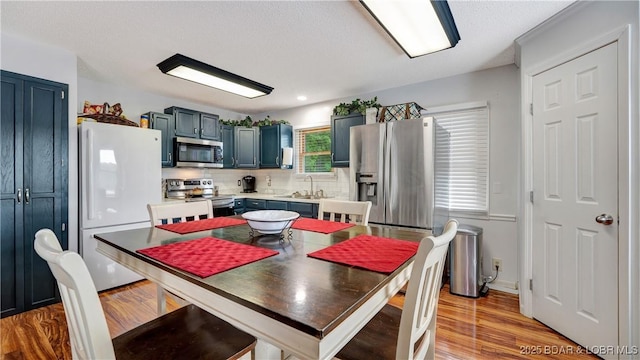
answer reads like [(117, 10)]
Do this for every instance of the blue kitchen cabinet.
[(277, 205), (166, 125), (340, 133), (227, 134), (238, 206), (272, 139), (246, 148), (194, 124), (308, 210), (255, 204), (34, 187)]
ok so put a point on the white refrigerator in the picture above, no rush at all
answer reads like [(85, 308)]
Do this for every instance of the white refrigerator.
[(119, 174)]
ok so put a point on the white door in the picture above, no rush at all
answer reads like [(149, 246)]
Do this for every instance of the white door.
[(120, 173), (575, 179)]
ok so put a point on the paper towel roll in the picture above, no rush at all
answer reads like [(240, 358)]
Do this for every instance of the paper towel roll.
[(287, 158)]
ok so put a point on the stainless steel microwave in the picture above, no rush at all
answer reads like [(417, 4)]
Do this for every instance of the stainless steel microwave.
[(197, 153)]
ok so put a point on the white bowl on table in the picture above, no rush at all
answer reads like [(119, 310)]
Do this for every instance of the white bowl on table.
[(270, 221)]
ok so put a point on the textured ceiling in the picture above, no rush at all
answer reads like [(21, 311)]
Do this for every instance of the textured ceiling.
[(322, 49)]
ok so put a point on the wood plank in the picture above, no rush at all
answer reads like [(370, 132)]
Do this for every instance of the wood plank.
[(484, 328)]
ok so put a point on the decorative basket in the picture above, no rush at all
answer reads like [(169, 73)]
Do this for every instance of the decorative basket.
[(400, 112), (110, 118)]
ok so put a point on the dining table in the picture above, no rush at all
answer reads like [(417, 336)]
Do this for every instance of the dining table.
[(293, 303)]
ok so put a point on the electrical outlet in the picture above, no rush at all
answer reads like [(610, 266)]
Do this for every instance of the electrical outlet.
[(496, 262)]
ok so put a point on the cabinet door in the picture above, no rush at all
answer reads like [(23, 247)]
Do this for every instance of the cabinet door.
[(164, 123), (11, 221), (228, 136), (187, 122), (255, 204), (246, 147), (45, 182), (270, 146), (209, 128), (304, 209), (277, 205), (340, 126)]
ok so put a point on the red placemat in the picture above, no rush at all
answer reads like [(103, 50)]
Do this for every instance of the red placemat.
[(321, 226), (374, 253), (200, 225), (207, 256)]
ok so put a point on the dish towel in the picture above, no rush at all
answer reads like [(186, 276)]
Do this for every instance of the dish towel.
[(201, 225), (373, 253), (206, 256), (321, 226)]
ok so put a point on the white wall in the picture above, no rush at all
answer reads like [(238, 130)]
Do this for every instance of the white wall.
[(500, 88), (581, 28), (26, 57)]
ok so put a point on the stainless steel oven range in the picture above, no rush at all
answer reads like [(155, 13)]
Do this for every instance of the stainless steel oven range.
[(201, 189)]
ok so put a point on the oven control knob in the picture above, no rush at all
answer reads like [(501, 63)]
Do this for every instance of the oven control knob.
[(209, 182)]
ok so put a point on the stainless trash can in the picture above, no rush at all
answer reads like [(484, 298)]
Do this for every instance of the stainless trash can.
[(465, 259)]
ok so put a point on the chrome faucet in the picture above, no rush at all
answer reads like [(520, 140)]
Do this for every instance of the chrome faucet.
[(310, 178)]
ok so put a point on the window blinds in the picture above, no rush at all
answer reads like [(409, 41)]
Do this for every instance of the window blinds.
[(313, 148), (466, 155)]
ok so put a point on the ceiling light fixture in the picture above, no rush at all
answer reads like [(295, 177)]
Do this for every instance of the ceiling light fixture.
[(193, 70), (419, 27)]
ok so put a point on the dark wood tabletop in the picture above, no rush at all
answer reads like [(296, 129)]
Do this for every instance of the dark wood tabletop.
[(311, 295)]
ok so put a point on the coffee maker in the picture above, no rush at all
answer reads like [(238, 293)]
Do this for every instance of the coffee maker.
[(249, 184)]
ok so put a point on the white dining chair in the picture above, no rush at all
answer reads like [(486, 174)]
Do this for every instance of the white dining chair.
[(356, 212), (172, 212), (409, 333), (186, 333)]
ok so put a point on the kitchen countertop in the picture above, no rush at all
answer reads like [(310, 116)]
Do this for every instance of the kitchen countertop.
[(281, 197), (263, 196)]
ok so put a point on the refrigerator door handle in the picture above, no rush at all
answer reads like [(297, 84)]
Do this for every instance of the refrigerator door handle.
[(89, 175), (387, 171)]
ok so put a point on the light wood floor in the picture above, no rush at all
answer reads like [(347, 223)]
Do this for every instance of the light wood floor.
[(485, 328)]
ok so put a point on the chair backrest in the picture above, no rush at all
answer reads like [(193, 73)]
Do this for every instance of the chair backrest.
[(356, 212), (174, 212), (88, 331), (418, 322)]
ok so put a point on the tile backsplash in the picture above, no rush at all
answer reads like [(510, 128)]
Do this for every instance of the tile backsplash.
[(282, 181)]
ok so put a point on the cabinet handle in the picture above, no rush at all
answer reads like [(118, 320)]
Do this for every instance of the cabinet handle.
[(19, 195), (278, 160), (233, 161), (169, 157), (195, 131), (26, 196), (331, 156), (254, 161), (201, 131)]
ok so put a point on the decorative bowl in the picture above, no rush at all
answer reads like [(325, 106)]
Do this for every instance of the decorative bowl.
[(270, 221)]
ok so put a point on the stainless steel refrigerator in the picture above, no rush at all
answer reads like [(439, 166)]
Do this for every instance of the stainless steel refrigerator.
[(402, 168)]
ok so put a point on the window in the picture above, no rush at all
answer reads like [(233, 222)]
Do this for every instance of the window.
[(314, 150), (467, 156)]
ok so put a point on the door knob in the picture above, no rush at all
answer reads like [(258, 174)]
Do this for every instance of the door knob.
[(604, 219)]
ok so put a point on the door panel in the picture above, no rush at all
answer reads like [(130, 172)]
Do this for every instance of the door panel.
[(575, 258)]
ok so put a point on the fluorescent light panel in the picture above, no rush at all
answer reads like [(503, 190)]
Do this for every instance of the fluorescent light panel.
[(419, 27), (193, 70)]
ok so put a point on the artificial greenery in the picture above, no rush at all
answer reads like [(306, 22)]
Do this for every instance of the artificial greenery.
[(356, 105), (248, 122)]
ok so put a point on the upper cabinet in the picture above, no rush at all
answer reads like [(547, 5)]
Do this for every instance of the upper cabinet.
[(227, 134), (246, 149), (272, 139), (340, 126), (194, 124), (164, 123)]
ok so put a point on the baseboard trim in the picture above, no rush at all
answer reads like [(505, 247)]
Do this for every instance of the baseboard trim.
[(510, 287)]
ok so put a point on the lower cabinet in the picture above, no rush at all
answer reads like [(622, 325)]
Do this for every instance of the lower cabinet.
[(308, 210), (238, 206)]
